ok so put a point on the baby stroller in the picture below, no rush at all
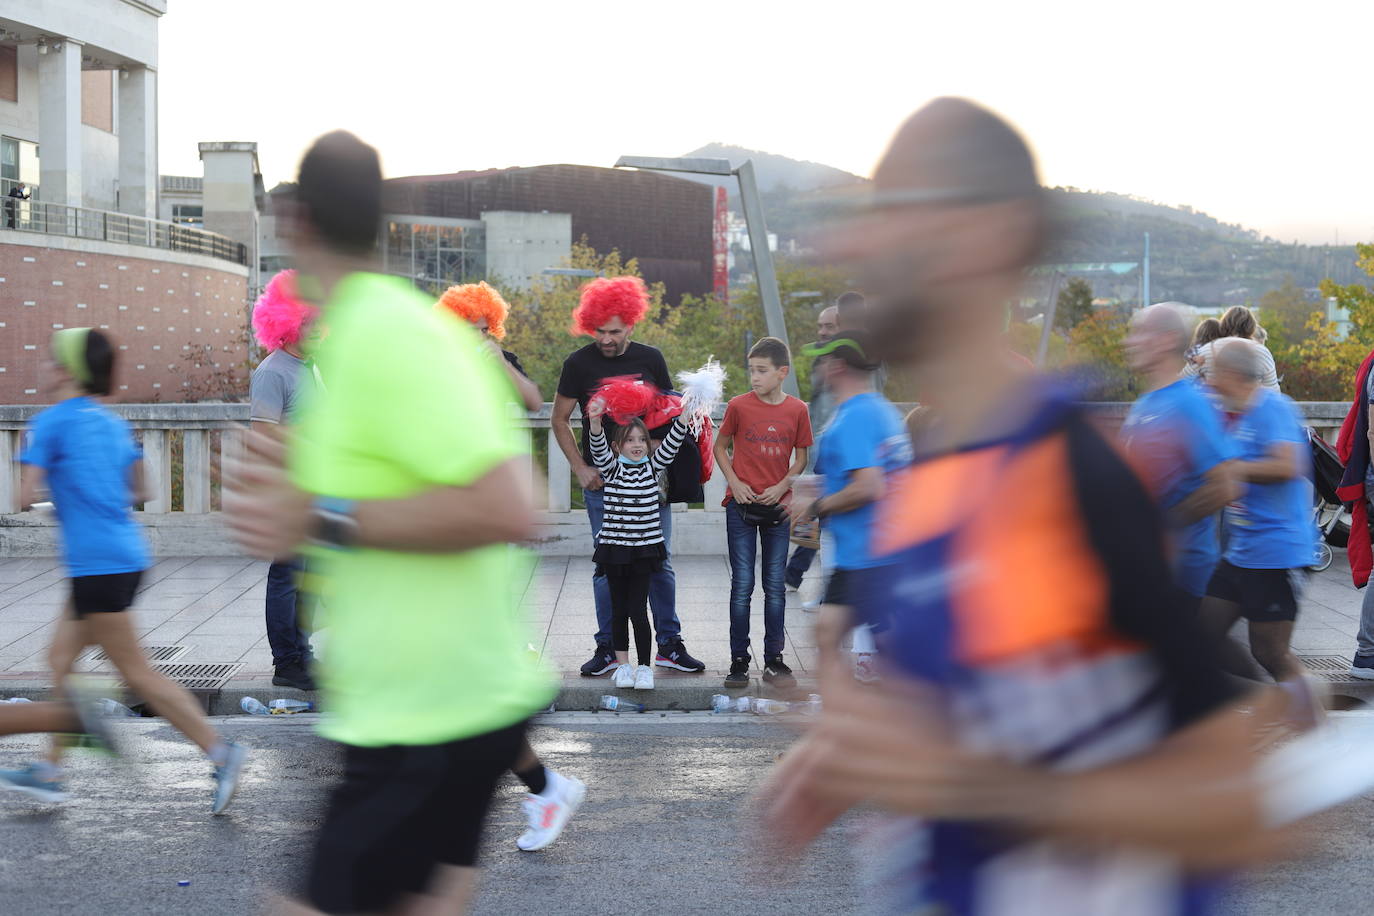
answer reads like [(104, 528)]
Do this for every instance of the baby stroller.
[(1329, 514)]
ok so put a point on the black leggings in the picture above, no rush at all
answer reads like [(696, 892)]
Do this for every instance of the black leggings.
[(630, 602)]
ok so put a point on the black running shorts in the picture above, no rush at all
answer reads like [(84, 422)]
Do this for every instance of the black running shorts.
[(1263, 595), (401, 811), (839, 587), (104, 594)]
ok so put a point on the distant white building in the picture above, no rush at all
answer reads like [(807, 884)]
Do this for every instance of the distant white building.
[(1339, 316), (78, 101)]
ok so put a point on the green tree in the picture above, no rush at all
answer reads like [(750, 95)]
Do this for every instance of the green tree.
[(797, 282), (1356, 297), (1097, 344), (1321, 365), (699, 327), (1075, 304), (1285, 312)]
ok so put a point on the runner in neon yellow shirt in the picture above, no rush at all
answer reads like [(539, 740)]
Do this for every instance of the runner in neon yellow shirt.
[(407, 482)]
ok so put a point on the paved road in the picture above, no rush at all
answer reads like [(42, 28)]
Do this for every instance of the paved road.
[(662, 831)]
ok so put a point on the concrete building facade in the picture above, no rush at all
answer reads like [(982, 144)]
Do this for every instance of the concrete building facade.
[(78, 101), (664, 222), (78, 125)]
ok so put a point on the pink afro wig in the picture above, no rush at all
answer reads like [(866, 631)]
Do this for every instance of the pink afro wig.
[(473, 301), (605, 298), (279, 318)]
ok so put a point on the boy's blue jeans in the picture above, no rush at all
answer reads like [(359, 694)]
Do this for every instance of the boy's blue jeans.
[(743, 540)]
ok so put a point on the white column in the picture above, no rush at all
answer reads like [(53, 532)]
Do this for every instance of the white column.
[(230, 453), (195, 471), (157, 470), (560, 478), (715, 491), (138, 142), (9, 470), (59, 123)]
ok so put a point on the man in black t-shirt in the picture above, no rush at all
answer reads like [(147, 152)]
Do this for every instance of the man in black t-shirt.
[(608, 311)]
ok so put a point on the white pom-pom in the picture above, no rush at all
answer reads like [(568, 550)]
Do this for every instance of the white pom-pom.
[(701, 393)]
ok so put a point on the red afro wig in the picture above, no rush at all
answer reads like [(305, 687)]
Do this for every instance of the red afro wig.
[(280, 318), (605, 298), (474, 301)]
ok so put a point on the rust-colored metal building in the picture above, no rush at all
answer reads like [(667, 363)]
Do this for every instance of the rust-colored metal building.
[(663, 221)]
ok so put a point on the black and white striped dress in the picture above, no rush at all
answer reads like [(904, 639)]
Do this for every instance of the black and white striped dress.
[(631, 538)]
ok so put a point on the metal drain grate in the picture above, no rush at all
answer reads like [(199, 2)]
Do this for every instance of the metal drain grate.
[(1328, 667), (200, 676), (154, 653)]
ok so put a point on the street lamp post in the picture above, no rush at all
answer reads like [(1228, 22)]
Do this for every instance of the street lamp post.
[(753, 221)]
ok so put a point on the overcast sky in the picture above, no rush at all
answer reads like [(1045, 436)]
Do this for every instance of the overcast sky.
[(1253, 116)]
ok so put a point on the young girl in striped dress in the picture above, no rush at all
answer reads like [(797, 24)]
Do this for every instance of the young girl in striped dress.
[(629, 546)]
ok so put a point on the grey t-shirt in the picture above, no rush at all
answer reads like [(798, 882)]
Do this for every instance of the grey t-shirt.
[(275, 387)]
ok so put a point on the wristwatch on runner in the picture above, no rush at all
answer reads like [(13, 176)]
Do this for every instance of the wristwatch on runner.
[(335, 525)]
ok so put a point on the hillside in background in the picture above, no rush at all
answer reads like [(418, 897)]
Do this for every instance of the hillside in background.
[(1194, 257), (774, 172)]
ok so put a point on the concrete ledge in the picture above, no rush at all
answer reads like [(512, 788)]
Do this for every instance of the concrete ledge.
[(672, 691), (173, 534), (696, 532)]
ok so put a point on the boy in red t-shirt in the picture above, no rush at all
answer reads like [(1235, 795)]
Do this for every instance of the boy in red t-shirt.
[(770, 432)]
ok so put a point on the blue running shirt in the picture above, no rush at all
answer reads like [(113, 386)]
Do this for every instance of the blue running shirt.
[(1175, 436), (86, 452)]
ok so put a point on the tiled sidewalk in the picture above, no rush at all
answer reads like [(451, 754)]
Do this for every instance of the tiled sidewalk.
[(214, 606)]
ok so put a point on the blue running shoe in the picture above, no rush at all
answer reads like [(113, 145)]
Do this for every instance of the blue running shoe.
[(227, 777), (28, 782), (95, 727)]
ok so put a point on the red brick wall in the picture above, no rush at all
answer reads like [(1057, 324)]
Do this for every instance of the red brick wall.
[(163, 317)]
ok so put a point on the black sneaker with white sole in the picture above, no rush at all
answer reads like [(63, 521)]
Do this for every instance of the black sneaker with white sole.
[(602, 660), (294, 674), (674, 655), (739, 672), (776, 673)]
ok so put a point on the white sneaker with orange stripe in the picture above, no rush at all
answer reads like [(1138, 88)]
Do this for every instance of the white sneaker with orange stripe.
[(549, 811)]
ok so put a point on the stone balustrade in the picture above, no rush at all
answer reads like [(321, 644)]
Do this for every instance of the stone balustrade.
[(196, 439)]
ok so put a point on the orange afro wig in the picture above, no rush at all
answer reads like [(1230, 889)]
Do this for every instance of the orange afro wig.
[(474, 301), (605, 298)]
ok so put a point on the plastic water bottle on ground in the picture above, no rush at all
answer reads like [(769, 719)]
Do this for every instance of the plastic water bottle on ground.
[(619, 704), (114, 708), (722, 703), (253, 707), (19, 700), (287, 707), (766, 707)]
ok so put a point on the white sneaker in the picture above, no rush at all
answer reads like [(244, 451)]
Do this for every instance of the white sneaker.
[(624, 677), (549, 813), (644, 678)]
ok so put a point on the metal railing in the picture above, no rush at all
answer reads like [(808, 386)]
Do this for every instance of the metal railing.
[(188, 444), (107, 226)]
